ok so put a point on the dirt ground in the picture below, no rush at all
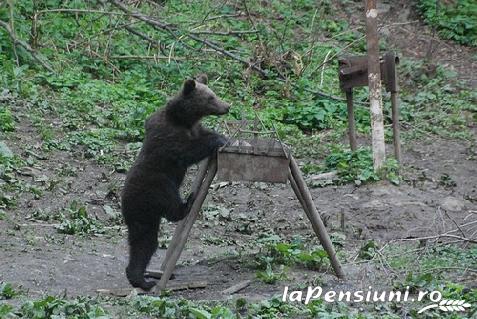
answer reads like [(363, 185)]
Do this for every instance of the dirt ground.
[(35, 256)]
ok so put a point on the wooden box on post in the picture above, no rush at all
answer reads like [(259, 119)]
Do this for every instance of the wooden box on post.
[(254, 160)]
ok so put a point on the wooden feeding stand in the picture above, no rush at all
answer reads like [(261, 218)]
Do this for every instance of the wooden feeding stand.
[(353, 72), (256, 159)]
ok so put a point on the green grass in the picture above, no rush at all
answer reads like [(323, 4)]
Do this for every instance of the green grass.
[(94, 107), (7, 123), (101, 105)]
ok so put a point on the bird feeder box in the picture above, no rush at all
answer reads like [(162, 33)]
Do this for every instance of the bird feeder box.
[(253, 160)]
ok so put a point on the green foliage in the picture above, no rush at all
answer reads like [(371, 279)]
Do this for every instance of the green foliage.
[(7, 291), (368, 250), (9, 164), (95, 105), (357, 166), (313, 114), (53, 307), (164, 308), (7, 123), (455, 20), (6, 311), (441, 105), (273, 251), (269, 276), (75, 220)]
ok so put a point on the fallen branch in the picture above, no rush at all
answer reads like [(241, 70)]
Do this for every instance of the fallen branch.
[(168, 27), (222, 16), (139, 16), (227, 53), (154, 57), (225, 33), (464, 269), (237, 287), (124, 292), (24, 45), (445, 235), (78, 11)]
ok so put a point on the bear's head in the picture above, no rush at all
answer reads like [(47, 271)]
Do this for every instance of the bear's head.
[(195, 101)]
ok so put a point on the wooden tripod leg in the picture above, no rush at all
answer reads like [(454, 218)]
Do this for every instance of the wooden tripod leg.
[(396, 130), (351, 124), (180, 226), (181, 239), (301, 190), (296, 190)]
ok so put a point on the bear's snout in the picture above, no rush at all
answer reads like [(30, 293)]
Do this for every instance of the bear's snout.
[(224, 108)]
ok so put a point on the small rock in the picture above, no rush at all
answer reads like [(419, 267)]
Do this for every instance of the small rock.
[(325, 176), (374, 204), (29, 171), (5, 151), (452, 204), (353, 196)]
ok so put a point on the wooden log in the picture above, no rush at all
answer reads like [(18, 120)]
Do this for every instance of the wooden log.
[(156, 274), (351, 123), (180, 226), (124, 292), (180, 240), (329, 176), (237, 287), (396, 129), (187, 285), (315, 218)]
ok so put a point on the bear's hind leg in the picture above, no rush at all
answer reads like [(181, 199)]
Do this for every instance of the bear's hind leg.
[(142, 245), (175, 209)]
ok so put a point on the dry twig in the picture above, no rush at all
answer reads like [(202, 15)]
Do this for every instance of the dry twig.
[(24, 45)]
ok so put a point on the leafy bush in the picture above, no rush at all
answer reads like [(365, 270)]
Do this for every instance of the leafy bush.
[(312, 114), (455, 20), (358, 167), (291, 253)]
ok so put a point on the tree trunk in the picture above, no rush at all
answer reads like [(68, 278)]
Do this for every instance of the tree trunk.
[(374, 78)]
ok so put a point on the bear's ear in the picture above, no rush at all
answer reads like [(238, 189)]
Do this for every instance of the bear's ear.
[(202, 78), (189, 86)]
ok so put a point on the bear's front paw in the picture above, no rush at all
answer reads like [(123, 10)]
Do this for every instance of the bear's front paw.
[(220, 141)]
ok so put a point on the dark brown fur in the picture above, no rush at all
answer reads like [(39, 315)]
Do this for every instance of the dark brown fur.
[(174, 140)]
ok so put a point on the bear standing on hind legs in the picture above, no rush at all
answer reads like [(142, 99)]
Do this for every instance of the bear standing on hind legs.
[(174, 140)]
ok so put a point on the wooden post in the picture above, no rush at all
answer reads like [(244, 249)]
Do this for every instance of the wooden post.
[(179, 241), (374, 82), (351, 124), (396, 130), (180, 226), (314, 216)]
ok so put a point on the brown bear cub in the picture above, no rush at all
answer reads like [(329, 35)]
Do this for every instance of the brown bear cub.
[(174, 140)]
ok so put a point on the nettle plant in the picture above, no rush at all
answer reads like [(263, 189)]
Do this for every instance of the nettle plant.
[(76, 220), (454, 20)]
